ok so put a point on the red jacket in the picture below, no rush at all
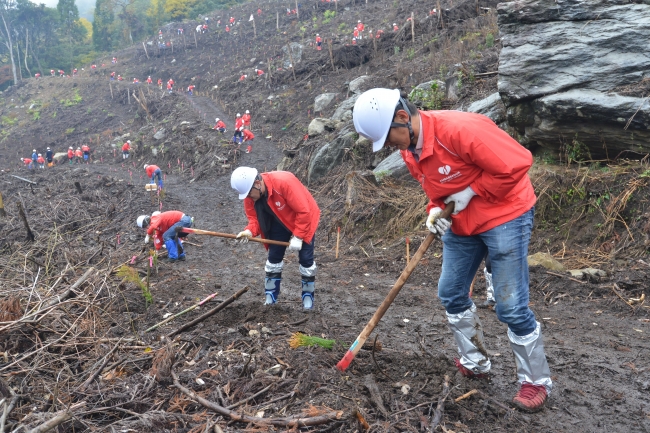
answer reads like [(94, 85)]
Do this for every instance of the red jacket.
[(162, 222), (360, 26), (70, 153), (290, 201), (151, 169), (220, 124), (246, 118), (85, 148), (126, 147), (248, 135), (78, 153), (467, 149), (40, 160), (239, 122)]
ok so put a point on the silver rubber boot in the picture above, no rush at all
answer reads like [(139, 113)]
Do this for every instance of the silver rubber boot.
[(489, 287), (532, 366), (468, 332), (272, 282), (308, 286)]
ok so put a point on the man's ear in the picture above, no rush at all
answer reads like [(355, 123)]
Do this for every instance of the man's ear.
[(402, 116)]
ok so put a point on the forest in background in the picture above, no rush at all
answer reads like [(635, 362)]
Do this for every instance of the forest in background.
[(36, 38)]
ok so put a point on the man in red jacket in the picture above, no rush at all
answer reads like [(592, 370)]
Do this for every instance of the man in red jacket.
[(246, 119), (166, 226), (280, 208), (126, 148), (153, 172), (466, 159)]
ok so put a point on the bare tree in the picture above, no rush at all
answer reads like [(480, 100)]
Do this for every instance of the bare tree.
[(6, 6)]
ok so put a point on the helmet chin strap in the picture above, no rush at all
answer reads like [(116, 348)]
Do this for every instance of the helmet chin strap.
[(408, 125)]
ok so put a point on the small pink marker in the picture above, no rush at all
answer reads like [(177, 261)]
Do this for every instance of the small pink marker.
[(164, 177), (151, 261), (114, 153), (161, 206), (133, 259), (169, 164), (118, 238)]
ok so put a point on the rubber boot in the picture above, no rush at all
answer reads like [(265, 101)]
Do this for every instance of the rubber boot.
[(181, 250), (249, 148), (172, 250), (468, 332), (489, 288), (308, 287), (272, 287), (533, 372)]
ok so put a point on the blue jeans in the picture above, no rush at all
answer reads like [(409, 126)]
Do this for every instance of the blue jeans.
[(507, 246), (156, 174), (276, 252), (186, 221)]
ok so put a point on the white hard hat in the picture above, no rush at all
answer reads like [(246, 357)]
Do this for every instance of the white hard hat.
[(242, 180), (359, 21), (248, 112), (394, 24), (317, 34), (238, 115), (373, 113), (128, 141), (142, 220), (70, 147), (216, 120), (145, 166), (34, 150), (48, 148), (40, 154)]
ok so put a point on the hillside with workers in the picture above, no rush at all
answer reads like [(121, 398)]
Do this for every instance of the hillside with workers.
[(328, 216)]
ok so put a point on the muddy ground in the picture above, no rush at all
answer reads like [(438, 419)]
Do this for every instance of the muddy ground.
[(596, 344)]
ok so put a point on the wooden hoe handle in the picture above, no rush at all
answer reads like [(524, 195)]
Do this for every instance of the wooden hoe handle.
[(344, 363), (231, 236)]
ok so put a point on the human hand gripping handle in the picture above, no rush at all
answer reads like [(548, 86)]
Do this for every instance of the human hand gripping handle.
[(146, 239), (436, 223), (344, 363), (243, 236), (295, 244), (461, 199)]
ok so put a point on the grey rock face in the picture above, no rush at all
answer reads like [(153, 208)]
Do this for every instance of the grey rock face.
[(160, 134), (492, 107), (343, 112), (562, 64), (319, 126), (323, 101), (296, 53), (393, 166), (359, 84), (330, 155)]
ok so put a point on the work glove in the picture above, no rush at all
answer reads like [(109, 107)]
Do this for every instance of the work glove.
[(461, 199), (146, 239), (295, 244), (435, 224), (243, 236)]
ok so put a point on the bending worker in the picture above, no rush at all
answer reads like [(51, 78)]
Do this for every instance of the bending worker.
[(165, 228), (466, 159), (153, 172), (280, 208)]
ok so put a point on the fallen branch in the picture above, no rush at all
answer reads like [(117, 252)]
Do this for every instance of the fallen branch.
[(187, 310), (246, 400), (204, 316), (23, 179), (437, 415), (566, 276), (295, 421), (59, 419), (466, 395)]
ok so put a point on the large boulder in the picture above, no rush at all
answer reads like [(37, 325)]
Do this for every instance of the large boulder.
[(492, 107), (573, 69), (343, 112), (295, 54), (330, 155), (319, 125), (358, 85), (393, 166), (323, 101)]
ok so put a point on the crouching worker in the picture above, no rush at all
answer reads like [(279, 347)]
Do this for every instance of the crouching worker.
[(153, 172), (466, 159), (279, 207), (167, 225)]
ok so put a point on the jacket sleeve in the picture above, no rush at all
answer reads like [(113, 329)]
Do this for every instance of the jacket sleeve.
[(298, 199), (253, 223), (503, 161)]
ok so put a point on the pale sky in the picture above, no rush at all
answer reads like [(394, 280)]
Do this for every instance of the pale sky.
[(84, 6)]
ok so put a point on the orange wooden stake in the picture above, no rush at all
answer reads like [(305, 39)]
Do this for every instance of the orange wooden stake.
[(338, 239)]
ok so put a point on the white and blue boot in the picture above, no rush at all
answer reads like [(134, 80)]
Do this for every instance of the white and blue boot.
[(308, 286), (272, 282)]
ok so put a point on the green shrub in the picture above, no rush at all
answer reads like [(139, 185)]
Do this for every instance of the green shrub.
[(428, 99), (489, 40)]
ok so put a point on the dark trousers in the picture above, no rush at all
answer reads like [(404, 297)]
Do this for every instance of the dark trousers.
[(276, 252)]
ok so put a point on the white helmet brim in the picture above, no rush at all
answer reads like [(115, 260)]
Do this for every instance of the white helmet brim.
[(373, 113)]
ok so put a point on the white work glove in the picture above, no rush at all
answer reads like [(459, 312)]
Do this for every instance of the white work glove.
[(146, 239), (435, 224), (243, 236), (461, 199), (295, 244)]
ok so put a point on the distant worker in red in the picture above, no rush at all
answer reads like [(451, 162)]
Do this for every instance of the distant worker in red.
[(37, 75), (169, 87), (378, 34), (93, 67), (227, 29), (354, 41), (395, 28), (27, 162), (239, 127), (136, 81), (160, 83), (149, 80), (259, 12), (86, 150), (41, 161), (52, 72), (114, 60), (219, 126), (79, 155), (246, 118), (248, 136), (190, 89), (280, 208), (119, 78), (74, 72), (70, 155), (360, 27), (61, 73), (259, 72), (355, 33), (112, 76), (126, 148), (243, 77), (153, 172), (165, 227), (319, 42), (232, 20)]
